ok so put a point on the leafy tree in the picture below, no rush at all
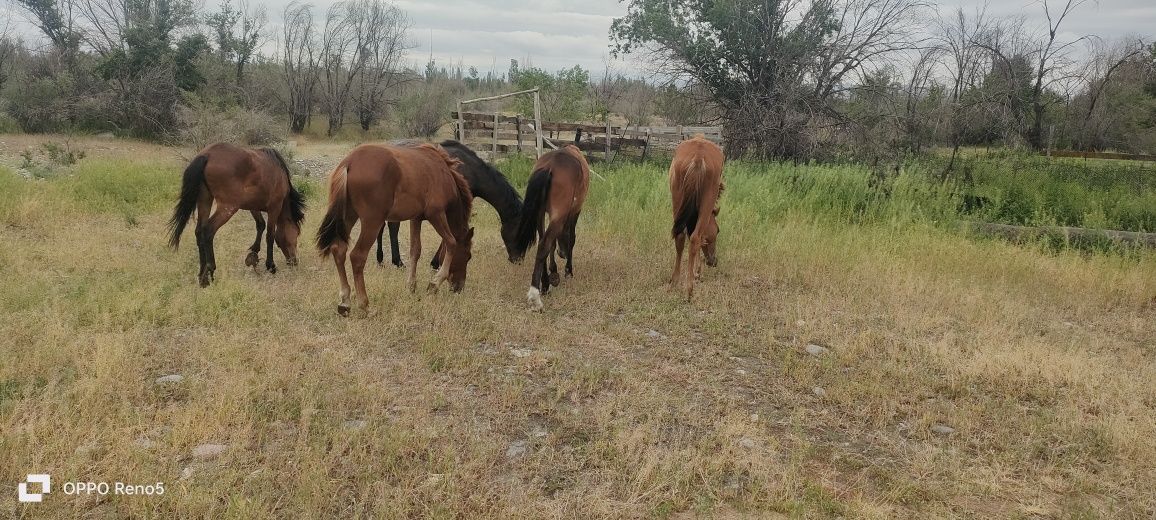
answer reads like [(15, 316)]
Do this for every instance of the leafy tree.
[(772, 66)]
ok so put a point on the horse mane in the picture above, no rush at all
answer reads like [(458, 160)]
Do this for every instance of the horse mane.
[(296, 199), (504, 185), (464, 195)]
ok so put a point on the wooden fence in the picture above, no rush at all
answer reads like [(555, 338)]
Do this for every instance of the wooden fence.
[(492, 134)]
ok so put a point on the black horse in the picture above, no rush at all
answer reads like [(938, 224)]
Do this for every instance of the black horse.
[(486, 183)]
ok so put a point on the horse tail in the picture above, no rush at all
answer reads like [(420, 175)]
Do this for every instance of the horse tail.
[(192, 181), (333, 227), (534, 210), (691, 181)]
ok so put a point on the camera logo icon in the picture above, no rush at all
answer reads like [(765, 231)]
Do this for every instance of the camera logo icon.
[(45, 482)]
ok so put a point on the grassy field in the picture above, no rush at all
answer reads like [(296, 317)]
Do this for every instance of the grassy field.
[(620, 400)]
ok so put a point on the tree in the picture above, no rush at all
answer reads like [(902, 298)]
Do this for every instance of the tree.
[(384, 49), (561, 94), (772, 67), (300, 63), (238, 32)]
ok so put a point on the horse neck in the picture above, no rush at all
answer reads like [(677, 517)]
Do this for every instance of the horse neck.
[(495, 190)]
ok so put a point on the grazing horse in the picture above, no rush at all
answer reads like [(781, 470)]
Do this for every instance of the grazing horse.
[(695, 185), (486, 183), (380, 183), (557, 187), (239, 179)]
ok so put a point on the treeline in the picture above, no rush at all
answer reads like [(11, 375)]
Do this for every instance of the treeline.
[(874, 79)]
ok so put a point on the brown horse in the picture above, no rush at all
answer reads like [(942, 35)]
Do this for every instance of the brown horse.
[(695, 185), (378, 183), (557, 187), (239, 179)]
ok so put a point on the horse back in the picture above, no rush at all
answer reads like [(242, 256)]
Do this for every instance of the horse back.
[(245, 179)]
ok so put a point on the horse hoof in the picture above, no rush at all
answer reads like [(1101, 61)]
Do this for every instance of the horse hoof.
[(291, 262), (432, 288), (399, 264), (343, 310), (204, 283), (271, 268), (534, 298), (251, 259), (555, 279)]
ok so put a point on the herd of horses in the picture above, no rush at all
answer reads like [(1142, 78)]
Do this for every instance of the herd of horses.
[(382, 185)]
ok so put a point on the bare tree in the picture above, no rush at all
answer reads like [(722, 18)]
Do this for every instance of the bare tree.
[(300, 62), (385, 45)]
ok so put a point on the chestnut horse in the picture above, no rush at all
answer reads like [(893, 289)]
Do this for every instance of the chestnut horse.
[(486, 183), (378, 183), (239, 179), (695, 185), (557, 187)]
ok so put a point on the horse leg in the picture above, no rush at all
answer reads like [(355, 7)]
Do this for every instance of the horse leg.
[(555, 279), (339, 250), (679, 243), (692, 263), (538, 284), (255, 249), (449, 243), (204, 209), (380, 246), (358, 257), (219, 218), (414, 253), (394, 248), (569, 237), (269, 236), (438, 257)]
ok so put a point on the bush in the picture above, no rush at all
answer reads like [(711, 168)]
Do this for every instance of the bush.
[(201, 124), (8, 124)]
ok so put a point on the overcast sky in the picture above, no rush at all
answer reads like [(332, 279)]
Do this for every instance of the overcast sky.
[(553, 34)]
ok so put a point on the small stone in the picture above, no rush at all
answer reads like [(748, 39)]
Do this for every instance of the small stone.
[(747, 442), (942, 429), (740, 372), (654, 334), (538, 432), (144, 442), (1069, 324), (816, 350), (819, 391), (186, 473), (520, 352), (171, 378), (800, 323), (754, 417), (516, 449), (208, 451), (355, 424)]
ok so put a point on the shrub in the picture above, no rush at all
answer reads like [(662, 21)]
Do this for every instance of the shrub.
[(201, 124)]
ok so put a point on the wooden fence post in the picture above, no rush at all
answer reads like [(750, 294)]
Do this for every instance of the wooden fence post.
[(538, 122), (461, 124), (494, 153), (518, 130), (607, 138)]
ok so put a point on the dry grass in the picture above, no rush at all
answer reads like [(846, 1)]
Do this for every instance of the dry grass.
[(1043, 364)]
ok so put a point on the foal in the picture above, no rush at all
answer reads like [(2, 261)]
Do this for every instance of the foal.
[(557, 187), (695, 185), (380, 183), (238, 179)]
